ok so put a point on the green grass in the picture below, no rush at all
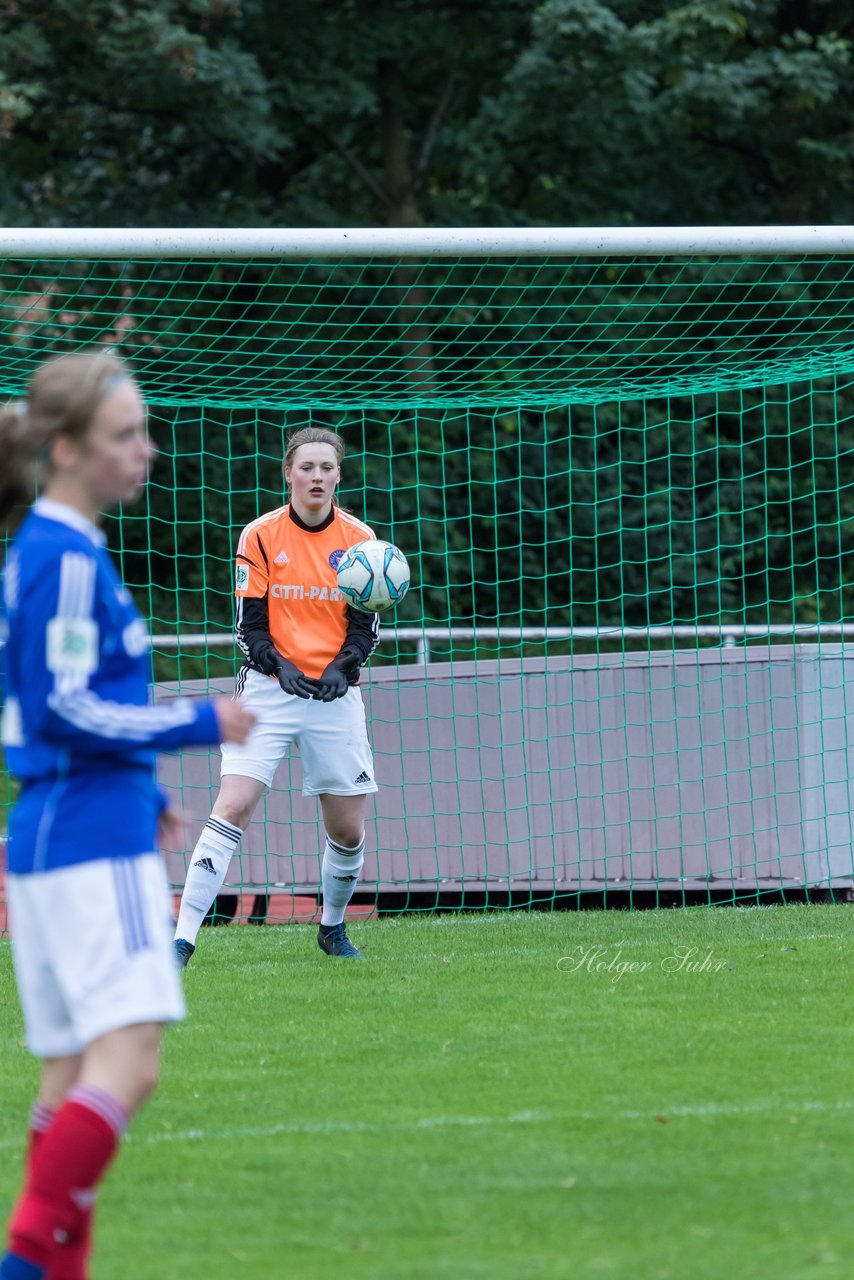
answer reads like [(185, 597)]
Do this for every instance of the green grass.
[(464, 1105)]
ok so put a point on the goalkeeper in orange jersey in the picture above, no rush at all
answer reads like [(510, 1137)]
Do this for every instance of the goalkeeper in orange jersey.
[(304, 648)]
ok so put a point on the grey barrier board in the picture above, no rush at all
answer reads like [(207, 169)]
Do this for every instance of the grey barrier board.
[(718, 767)]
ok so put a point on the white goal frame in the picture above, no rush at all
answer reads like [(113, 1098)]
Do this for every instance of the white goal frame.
[(417, 242)]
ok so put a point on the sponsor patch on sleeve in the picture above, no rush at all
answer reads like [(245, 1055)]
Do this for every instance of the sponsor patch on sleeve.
[(242, 577), (72, 645)]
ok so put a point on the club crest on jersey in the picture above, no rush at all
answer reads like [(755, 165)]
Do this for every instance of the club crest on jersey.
[(336, 558), (72, 646), (242, 577)]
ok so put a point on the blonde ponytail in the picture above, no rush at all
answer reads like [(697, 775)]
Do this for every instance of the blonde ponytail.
[(62, 400), (20, 450)]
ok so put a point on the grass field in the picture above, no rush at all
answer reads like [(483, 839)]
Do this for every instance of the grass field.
[(493, 1096)]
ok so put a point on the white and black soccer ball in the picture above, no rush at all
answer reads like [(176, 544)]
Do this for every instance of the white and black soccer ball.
[(373, 576)]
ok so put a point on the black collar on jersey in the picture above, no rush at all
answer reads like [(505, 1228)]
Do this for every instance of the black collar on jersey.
[(311, 528)]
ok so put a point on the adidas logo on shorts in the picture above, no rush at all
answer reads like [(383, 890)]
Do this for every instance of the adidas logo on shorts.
[(361, 780), (206, 864)]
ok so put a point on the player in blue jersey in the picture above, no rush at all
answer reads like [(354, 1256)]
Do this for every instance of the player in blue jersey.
[(88, 900)]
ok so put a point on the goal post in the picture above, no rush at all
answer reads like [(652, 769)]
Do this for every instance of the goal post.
[(619, 461)]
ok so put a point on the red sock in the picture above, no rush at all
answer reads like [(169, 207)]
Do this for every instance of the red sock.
[(67, 1163), (41, 1118), (70, 1261)]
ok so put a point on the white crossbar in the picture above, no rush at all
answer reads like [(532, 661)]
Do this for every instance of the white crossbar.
[(419, 242)]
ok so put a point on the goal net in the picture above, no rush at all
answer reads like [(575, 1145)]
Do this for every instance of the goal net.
[(620, 466)]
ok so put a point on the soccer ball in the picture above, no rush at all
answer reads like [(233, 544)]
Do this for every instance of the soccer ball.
[(373, 576)]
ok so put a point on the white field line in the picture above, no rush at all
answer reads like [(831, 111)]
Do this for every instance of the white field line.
[(569, 947), (700, 1110), (803, 1106)]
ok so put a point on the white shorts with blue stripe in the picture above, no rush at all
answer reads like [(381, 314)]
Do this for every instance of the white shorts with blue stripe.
[(92, 947)]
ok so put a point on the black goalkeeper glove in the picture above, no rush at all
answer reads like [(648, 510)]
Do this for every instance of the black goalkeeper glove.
[(292, 680), (335, 680), (266, 659)]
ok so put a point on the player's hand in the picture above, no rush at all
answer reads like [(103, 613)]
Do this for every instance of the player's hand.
[(170, 829), (292, 679), (336, 679), (331, 685), (267, 659), (235, 722)]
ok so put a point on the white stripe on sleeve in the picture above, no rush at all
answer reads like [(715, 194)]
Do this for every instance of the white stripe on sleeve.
[(72, 634), (238, 629), (86, 711), (72, 656)]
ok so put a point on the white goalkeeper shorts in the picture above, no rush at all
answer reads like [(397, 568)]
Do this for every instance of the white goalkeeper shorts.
[(92, 949), (332, 739)]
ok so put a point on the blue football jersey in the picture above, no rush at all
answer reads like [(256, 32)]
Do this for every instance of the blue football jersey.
[(78, 729)]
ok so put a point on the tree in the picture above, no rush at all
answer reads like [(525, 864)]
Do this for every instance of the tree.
[(702, 112), (229, 112)]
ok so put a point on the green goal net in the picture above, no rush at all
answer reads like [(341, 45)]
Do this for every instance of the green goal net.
[(623, 483)]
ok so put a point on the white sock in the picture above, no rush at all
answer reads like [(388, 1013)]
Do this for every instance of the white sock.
[(339, 874), (205, 874)]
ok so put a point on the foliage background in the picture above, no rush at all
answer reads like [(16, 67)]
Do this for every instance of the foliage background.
[(727, 506)]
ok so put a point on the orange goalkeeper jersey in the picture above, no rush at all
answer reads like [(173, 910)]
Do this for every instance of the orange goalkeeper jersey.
[(281, 559)]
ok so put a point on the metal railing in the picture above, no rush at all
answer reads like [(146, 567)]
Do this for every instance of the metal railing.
[(728, 634)]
